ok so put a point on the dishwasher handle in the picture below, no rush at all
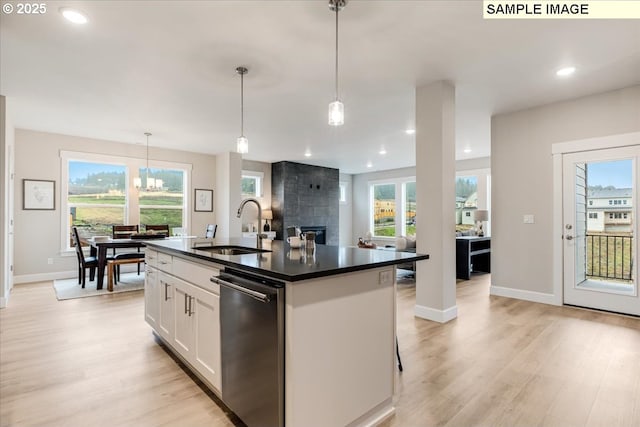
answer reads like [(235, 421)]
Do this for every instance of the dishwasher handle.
[(253, 294)]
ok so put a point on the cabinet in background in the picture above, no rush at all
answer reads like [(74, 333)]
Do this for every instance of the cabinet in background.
[(472, 254)]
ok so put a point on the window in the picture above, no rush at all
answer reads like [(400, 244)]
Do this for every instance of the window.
[(384, 203), (410, 208), (611, 202), (252, 184), (343, 193), (393, 207), (624, 215), (163, 201), (593, 215), (590, 202), (466, 197), (625, 201), (96, 197), (610, 216), (98, 192)]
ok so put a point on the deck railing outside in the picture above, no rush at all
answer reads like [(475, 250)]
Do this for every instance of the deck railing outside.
[(610, 256)]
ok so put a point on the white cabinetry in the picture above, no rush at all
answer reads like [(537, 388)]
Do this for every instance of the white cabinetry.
[(187, 312), (166, 298), (151, 297), (197, 333)]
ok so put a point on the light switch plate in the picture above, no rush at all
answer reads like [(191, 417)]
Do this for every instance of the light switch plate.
[(529, 219)]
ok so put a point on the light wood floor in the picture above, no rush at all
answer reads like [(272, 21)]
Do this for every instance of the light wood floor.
[(502, 362)]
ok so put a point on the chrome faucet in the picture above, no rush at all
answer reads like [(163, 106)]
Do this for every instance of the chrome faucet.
[(259, 236)]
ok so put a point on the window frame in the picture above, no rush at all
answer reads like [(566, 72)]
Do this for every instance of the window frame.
[(400, 200), (131, 206), (259, 177)]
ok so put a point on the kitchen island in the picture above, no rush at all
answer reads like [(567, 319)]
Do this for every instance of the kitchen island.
[(329, 358)]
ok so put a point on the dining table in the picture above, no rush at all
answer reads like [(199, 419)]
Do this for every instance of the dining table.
[(99, 250)]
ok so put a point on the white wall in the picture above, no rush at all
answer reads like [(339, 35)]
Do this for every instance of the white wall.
[(346, 213), (7, 145), (37, 233), (522, 182)]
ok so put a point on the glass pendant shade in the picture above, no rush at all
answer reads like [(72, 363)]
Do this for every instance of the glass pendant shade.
[(137, 182), (151, 183), (242, 145), (336, 113)]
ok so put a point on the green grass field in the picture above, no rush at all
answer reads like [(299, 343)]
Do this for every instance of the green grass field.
[(92, 221), (610, 258)]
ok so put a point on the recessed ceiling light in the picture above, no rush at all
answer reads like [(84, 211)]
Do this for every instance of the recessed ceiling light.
[(369, 164), (382, 151), (410, 131), (467, 150), (307, 153), (566, 71), (74, 15)]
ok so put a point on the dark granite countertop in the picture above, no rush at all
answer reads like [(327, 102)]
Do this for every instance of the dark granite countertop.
[(285, 263)]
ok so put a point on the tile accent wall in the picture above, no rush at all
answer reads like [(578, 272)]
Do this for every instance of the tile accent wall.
[(305, 195)]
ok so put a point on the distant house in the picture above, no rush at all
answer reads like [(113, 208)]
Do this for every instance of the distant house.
[(609, 210), (465, 212)]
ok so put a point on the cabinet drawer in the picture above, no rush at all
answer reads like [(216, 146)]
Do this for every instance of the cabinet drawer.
[(197, 274), (151, 257), (164, 262)]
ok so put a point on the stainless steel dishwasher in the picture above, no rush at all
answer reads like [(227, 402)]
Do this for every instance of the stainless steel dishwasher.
[(252, 341)]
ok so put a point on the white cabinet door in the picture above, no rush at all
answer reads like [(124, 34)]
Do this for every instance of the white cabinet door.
[(151, 297), (166, 296), (184, 332), (206, 350)]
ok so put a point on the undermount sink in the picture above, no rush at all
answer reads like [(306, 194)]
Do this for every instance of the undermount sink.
[(230, 250)]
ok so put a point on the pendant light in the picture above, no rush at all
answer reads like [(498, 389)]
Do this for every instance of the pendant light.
[(336, 108), (242, 143)]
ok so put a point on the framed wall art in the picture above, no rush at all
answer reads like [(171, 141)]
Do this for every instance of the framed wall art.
[(38, 194), (203, 201)]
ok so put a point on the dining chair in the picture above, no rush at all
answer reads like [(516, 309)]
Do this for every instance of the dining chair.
[(125, 232), (210, 232), (158, 229), (84, 262)]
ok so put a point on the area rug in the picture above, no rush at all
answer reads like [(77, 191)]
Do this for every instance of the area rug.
[(70, 289)]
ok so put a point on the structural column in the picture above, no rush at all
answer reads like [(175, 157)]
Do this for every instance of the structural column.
[(435, 197), (227, 194)]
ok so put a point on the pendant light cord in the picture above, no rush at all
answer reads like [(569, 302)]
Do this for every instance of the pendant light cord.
[(241, 104), (337, 10)]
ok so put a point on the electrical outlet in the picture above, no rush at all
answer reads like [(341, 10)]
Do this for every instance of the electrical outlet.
[(529, 219), (386, 277), (50, 261)]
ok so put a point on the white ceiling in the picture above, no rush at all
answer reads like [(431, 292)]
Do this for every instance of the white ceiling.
[(168, 67)]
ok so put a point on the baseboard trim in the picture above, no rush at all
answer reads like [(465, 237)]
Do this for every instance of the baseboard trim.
[(440, 316), (523, 295), (3, 302), (43, 277)]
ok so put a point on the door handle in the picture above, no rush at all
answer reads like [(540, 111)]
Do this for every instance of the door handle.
[(166, 293), (568, 237), (185, 304), (191, 312)]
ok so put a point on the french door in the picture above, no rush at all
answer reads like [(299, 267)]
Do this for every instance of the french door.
[(600, 229)]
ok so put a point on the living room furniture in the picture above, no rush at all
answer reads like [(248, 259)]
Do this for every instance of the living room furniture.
[(473, 254)]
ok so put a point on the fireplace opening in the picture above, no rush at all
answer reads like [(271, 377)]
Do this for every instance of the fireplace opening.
[(320, 230)]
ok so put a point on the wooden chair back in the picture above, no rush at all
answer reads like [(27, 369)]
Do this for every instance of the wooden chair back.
[(78, 245), (123, 231), (158, 229)]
